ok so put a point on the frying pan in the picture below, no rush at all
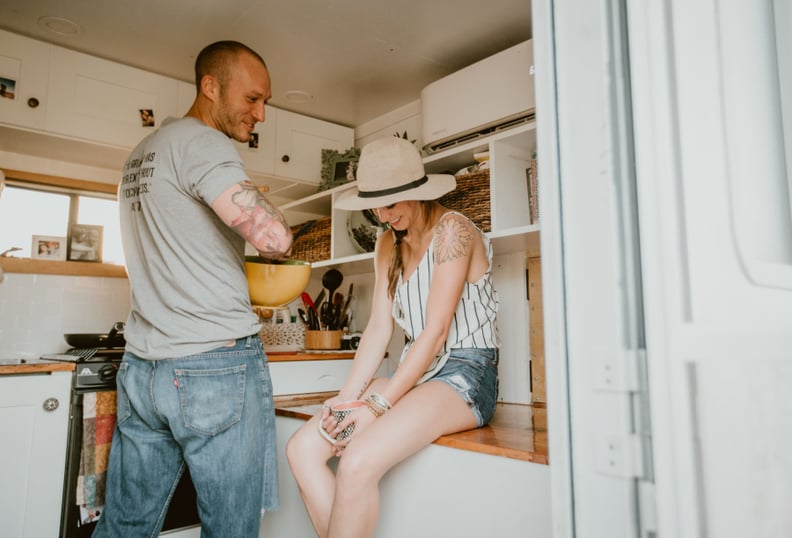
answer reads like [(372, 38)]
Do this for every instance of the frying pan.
[(115, 338)]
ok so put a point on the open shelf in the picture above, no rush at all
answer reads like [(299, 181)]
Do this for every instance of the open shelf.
[(512, 231)]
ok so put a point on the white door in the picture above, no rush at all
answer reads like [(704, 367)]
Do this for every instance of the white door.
[(594, 339), (713, 100), (665, 151), (34, 419)]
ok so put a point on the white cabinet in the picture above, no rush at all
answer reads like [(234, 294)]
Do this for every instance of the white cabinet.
[(299, 144), (98, 100), (518, 499), (34, 417), (24, 70), (306, 376), (298, 377)]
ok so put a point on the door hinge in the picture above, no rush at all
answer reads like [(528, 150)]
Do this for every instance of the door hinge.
[(619, 455), (618, 372), (647, 509)]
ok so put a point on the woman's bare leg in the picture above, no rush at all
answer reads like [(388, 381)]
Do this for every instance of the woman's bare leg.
[(420, 416), (308, 453)]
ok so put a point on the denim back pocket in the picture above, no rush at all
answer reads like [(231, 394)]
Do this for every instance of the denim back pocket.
[(211, 399)]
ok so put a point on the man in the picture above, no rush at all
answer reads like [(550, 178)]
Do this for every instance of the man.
[(194, 389)]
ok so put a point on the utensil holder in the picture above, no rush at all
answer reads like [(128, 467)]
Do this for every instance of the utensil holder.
[(323, 339)]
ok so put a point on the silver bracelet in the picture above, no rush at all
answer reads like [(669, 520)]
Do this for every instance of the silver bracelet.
[(376, 410), (380, 400)]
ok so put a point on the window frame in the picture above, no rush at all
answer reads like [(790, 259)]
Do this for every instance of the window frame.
[(73, 188)]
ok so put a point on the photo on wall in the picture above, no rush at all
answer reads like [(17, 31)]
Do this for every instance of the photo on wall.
[(85, 243), (7, 88)]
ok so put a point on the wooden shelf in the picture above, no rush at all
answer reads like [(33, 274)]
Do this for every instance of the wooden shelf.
[(49, 267)]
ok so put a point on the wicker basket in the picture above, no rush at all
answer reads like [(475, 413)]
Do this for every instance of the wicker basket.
[(282, 336), (314, 244), (471, 198)]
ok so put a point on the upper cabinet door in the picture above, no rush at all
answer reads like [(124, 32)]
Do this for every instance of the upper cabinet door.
[(300, 142), (99, 100), (24, 65)]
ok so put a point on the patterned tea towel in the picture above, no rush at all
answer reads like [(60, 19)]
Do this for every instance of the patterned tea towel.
[(99, 418)]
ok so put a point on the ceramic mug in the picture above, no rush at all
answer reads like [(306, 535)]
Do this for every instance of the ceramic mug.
[(340, 411)]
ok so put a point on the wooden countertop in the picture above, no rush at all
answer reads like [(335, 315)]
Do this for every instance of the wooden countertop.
[(517, 431), (36, 367), (290, 356)]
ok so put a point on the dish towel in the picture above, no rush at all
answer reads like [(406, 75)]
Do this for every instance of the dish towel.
[(99, 418)]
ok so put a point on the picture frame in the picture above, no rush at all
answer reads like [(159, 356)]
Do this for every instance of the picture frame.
[(85, 243), (48, 247), (338, 168), (7, 88), (147, 117)]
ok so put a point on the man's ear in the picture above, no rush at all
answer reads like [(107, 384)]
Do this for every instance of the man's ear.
[(210, 87)]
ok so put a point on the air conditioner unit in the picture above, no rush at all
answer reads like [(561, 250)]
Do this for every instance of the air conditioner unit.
[(494, 93)]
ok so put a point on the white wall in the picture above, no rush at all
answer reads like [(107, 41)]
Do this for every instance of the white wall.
[(37, 310)]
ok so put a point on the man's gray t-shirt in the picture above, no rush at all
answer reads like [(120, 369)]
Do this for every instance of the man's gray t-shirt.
[(186, 267)]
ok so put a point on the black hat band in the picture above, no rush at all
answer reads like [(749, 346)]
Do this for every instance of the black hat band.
[(393, 190)]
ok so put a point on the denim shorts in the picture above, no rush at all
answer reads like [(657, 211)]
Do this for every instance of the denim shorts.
[(211, 412), (473, 373)]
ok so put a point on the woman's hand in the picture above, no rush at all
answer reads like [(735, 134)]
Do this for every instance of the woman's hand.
[(361, 417), (327, 420)]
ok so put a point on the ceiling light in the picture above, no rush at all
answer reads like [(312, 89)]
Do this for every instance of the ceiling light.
[(298, 96), (60, 26)]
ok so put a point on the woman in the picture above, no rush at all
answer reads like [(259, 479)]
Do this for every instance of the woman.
[(433, 277)]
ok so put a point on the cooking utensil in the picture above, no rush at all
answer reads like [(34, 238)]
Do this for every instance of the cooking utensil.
[(338, 301), (313, 316), (303, 315), (342, 314), (318, 300), (115, 338), (331, 280)]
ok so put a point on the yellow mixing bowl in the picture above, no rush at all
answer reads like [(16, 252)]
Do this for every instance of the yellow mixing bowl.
[(276, 283)]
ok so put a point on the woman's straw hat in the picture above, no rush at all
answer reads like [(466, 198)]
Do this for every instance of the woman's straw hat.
[(390, 170)]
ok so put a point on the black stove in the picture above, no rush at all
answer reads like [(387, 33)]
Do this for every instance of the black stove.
[(94, 368), (98, 371)]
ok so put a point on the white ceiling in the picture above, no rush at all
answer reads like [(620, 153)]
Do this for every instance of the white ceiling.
[(358, 59)]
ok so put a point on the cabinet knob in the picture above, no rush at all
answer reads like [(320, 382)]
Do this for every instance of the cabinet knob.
[(285, 158), (33, 102), (50, 404)]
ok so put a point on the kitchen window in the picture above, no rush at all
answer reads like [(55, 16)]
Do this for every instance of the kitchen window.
[(49, 208)]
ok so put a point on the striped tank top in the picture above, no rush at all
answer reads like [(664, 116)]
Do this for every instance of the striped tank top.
[(474, 323)]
